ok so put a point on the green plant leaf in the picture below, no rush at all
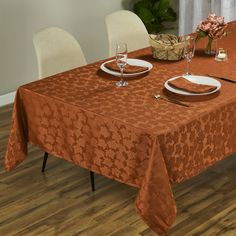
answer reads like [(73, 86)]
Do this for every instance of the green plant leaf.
[(146, 15), (170, 15), (161, 7), (154, 1), (154, 28), (202, 34), (153, 13), (140, 5)]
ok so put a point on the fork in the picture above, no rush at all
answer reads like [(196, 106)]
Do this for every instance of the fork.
[(159, 96)]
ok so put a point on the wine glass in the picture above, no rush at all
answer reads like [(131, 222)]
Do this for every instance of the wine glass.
[(189, 49), (121, 60)]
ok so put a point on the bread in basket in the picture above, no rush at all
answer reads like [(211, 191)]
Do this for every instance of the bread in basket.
[(167, 46)]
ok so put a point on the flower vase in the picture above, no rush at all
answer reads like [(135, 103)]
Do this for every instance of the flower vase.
[(211, 47)]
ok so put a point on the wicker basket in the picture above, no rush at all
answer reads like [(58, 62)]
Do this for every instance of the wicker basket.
[(167, 46)]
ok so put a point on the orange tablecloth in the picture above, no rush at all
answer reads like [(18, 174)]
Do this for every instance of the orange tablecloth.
[(126, 134)]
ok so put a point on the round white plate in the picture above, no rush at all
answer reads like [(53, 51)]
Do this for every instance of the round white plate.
[(198, 79), (135, 62)]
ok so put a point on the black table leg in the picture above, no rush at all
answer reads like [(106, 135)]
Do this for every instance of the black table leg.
[(92, 181), (44, 161)]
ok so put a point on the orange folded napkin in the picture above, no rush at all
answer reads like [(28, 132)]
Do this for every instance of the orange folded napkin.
[(112, 65), (188, 86)]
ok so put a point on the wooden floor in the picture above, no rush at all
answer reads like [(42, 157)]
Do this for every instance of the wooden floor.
[(60, 201)]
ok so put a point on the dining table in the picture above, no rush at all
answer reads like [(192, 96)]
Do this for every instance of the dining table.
[(124, 133)]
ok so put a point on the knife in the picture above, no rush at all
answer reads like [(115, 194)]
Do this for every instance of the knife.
[(222, 78)]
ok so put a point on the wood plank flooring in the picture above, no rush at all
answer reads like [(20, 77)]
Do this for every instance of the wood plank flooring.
[(60, 202)]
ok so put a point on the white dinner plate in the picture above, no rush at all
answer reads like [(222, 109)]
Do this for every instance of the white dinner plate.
[(135, 62), (198, 79)]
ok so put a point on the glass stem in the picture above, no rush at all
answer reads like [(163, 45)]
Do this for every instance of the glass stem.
[(187, 66), (122, 75)]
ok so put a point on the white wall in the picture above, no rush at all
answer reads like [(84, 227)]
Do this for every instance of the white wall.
[(19, 19)]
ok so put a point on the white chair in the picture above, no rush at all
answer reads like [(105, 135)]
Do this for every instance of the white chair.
[(56, 51), (125, 26)]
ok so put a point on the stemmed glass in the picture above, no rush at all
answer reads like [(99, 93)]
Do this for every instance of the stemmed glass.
[(189, 49), (121, 60)]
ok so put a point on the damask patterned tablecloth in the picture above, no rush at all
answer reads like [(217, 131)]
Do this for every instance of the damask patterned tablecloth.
[(124, 133)]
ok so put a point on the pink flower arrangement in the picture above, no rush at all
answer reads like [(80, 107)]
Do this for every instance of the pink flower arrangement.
[(213, 26)]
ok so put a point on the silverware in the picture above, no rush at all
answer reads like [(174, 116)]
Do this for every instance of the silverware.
[(159, 96), (222, 78)]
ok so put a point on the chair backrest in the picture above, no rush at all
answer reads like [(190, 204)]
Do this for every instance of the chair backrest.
[(125, 26), (56, 51)]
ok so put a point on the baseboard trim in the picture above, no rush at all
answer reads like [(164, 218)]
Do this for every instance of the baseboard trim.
[(6, 99)]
